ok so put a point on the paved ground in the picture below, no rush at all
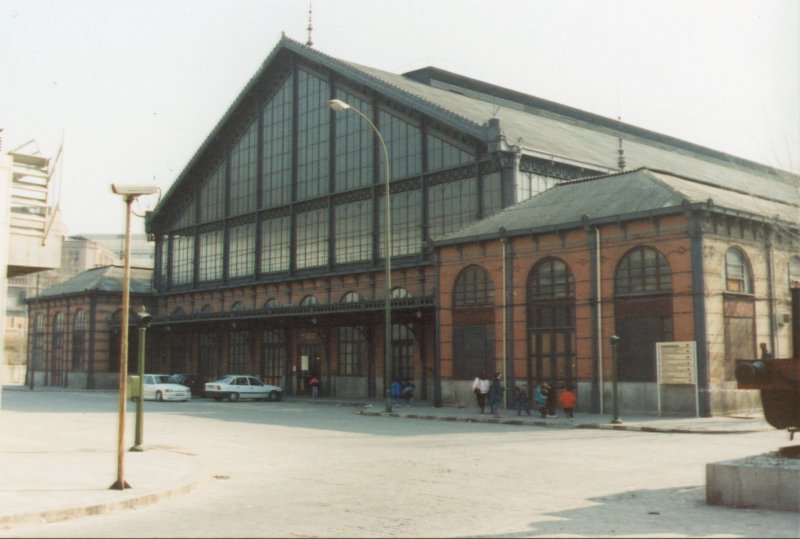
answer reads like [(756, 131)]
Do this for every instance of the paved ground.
[(336, 474)]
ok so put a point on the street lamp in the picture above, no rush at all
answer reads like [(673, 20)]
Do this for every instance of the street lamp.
[(337, 105), (129, 193), (142, 324)]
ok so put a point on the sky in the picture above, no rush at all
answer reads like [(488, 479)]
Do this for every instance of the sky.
[(132, 88)]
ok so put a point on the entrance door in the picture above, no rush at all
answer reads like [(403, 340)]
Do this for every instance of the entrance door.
[(309, 366), (553, 357)]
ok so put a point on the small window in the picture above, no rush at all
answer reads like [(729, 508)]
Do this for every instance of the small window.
[(351, 297), (794, 272), (737, 272), (309, 300)]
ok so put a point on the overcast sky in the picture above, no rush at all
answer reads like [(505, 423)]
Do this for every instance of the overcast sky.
[(134, 87)]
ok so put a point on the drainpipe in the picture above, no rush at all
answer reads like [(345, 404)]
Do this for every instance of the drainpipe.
[(770, 252), (599, 314), (504, 242), (437, 349), (699, 312)]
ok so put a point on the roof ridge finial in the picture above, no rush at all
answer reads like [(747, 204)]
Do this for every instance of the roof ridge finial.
[(309, 43), (621, 150)]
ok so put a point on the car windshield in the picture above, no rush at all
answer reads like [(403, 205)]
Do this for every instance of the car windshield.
[(162, 379)]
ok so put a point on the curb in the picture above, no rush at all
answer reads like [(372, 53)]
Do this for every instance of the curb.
[(61, 514), (562, 426)]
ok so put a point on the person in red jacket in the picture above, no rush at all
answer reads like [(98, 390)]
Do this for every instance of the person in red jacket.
[(567, 401)]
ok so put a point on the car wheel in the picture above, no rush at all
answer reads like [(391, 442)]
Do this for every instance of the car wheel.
[(159, 396), (233, 397)]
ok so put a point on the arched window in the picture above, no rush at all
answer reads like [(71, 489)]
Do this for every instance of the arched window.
[(473, 323), (352, 351), (178, 312), (78, 341), (351, 297), (272, 303), (642, 311), (207, 309), (309, 300), (400, 293), (551, 322), (473, 288), (794, 272), (58, 349), (237, 307), (737, 272), (642, 271)]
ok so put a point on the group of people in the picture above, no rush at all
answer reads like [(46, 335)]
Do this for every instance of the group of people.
[(402, 390), (491, 392)]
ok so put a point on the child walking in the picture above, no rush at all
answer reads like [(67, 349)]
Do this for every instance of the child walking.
[(567, 401)]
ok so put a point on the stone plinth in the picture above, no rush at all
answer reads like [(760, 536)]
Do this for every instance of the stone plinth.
[(764, 481)]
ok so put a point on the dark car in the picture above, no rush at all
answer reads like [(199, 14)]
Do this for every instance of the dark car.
[(192, 381)]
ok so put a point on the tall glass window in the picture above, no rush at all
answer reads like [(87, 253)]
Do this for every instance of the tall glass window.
[(354, 142), (451, 206), (186, 217), (38, 343), (244, 172), (182, 260), (404, 144), (442, 154), (406, 223), (79, 341), (238, 351), (312, 238), (242, 241), (352, 351), (277, 165), (210, 259), (275, 244), (313, 136), (274, 350), (492, 194), (208, 356), (58, 348), (794, 272), (212, 196), (531, 184), (354, 231)]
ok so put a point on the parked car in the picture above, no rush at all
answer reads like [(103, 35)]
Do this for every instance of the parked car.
[(159, 387), (238, 386), (192, 381)]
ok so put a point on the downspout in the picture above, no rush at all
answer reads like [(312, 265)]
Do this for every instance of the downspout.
[(699, 312), (598, 285), (437, 349), (504, 242), (770, 252)]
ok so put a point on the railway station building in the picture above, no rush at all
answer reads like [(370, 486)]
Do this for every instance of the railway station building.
[(524, 234)]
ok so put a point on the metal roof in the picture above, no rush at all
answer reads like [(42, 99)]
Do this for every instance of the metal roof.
[(103, 279), (553, 131), (639, 192)]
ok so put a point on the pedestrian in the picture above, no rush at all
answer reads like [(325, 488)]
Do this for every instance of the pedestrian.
[(541, 397), (315, 383), (496, 394), (407, 391), (522, 400), (394, 391), (481, 389), (567, 401)]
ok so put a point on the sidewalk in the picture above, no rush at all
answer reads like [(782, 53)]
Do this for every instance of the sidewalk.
[(45, 480)]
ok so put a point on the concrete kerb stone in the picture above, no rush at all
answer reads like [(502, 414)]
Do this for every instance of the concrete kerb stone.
[(59, 514)]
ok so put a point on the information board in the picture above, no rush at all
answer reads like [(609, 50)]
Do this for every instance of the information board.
[(676, 361)]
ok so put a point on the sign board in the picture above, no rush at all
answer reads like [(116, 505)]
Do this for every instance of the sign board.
[(676, 361), (303, 363), (676, 364)]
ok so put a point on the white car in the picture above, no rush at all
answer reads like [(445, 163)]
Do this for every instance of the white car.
[(159, 387), (239, 386)]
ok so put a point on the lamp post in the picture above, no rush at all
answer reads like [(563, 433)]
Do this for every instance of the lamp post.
[(338, 105), (614, 378), (143, 324), (129, 194)]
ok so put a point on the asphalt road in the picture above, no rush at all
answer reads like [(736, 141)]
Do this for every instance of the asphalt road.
[(293, 469)]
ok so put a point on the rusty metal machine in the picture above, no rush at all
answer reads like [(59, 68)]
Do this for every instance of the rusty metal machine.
[(778, 379)]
